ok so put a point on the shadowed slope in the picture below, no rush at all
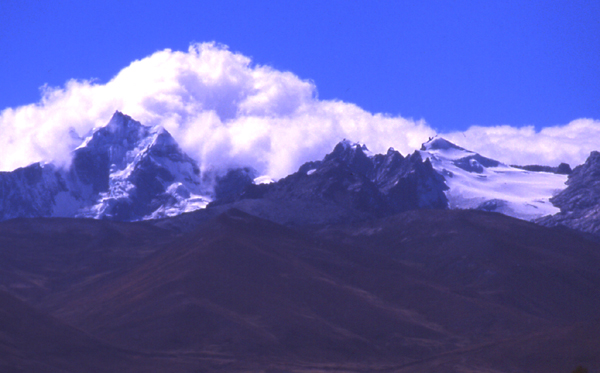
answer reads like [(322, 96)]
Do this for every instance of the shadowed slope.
[(248, 287), (420, 291), (407, 289), (541, 271), (556, 350), (347, 185), (42, 257), (31, 341)]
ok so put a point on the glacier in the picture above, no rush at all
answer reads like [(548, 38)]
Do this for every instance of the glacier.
[(477, 182)]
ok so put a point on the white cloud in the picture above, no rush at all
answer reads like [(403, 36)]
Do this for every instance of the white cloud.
[(224, 111), (570, 143)]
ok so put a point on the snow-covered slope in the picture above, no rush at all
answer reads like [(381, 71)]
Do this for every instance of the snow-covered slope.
[(135, 172), (33, 191), (122, 171), (478, 182)]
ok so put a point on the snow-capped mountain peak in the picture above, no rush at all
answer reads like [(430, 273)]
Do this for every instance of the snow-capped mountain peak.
[(138, 166), (439, 143), (444, 149), (121, 131), (122, 171), (476, 181)]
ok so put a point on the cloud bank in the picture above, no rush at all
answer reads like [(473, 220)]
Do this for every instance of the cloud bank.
[(225, 111), (570, 143)]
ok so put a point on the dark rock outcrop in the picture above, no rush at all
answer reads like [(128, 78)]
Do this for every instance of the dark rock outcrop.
[(561, 169), (579, 203), (347, 185)]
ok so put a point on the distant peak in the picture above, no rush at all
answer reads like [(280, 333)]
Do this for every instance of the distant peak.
[(594, 156), (346, 145), (121, 130), (119, 117), (439, 143), (119, 120), (347, 150), (415, 157), (120, 114)]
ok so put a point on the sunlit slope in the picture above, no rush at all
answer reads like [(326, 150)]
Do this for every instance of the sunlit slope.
[(475, 181)]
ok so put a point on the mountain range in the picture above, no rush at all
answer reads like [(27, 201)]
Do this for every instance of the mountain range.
[(127, 171), (132, 259)]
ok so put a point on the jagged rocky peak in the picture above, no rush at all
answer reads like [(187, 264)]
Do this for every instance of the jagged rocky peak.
[(392, 160), (354, 155), (138, 171), (122, 134), (121, 131), (108, 148), (122, 171), (385, 166), (415, 157), (346, 150), (105, 150), (120, 123), (347, 145), (123, 140), (353, 181)]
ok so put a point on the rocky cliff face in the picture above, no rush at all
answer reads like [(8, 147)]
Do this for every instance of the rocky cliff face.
[(136, 172), (579, 203), (348, 184), (32, 191), (123, 171), (408, 183)]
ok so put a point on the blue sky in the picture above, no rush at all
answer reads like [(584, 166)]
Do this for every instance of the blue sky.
[(527, 71), (452, 63)]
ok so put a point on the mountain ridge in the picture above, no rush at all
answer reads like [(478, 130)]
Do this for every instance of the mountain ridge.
[(126, 171), (346, 185)]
